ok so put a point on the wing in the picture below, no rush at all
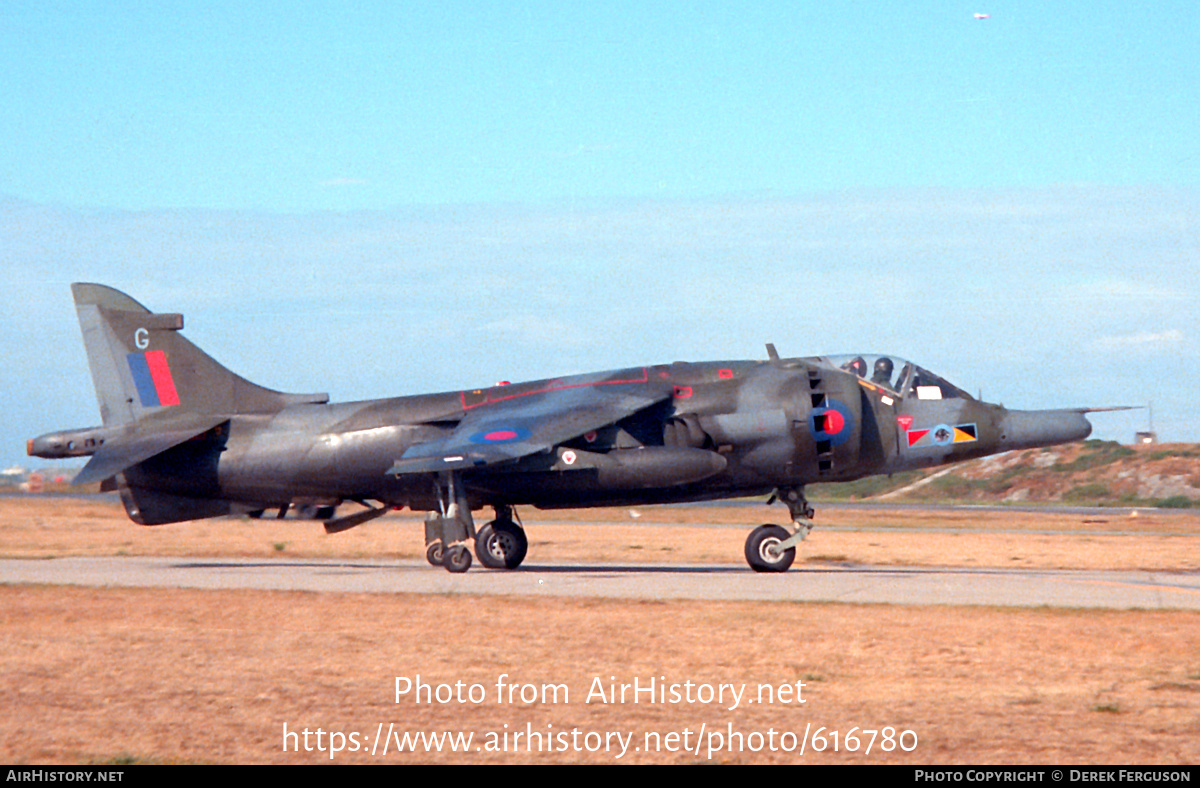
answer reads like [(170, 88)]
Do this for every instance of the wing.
[(508, 428)]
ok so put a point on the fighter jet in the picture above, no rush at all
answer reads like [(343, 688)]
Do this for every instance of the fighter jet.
[(183, 438)]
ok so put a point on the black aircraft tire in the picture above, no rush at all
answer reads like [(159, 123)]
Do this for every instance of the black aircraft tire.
[(501, 544), (434, 554), (458, 559), (759, 552)]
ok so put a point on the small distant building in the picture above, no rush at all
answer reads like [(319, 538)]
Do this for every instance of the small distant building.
[(1145, 437)]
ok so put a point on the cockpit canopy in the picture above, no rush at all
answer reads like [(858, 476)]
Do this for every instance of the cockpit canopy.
[(897, 375)]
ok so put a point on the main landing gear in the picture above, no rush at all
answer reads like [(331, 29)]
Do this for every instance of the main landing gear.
[(771, 548), (501, 544)]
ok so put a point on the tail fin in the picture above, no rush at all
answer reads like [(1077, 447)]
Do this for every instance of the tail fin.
[(142, 366)]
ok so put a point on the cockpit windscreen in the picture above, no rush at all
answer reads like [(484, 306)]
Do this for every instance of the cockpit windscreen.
[(897, 375)]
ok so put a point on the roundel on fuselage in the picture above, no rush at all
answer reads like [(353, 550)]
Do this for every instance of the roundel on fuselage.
[(833, 423)]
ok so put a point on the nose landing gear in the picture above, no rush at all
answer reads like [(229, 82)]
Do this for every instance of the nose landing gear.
[(763, 551), (771, 548)]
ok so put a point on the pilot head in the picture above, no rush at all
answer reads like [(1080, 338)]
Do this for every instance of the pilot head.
[(883, 371)]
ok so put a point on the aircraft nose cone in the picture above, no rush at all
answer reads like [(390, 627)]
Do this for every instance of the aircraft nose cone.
[(1028, 429)]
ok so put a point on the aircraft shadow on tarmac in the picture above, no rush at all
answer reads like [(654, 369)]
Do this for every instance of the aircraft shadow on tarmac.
[(276, 565), (524, 570), (840, 569)]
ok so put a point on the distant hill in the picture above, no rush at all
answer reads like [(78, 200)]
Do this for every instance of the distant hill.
[(1092, 473)]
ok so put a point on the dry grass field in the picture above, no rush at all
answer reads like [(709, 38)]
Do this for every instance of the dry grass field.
[(163, 675), (50, 527)]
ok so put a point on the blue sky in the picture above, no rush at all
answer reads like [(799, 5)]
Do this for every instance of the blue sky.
[(388, 198)]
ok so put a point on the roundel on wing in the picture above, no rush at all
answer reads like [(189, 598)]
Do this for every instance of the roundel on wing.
[(833, 423), (500, 435)]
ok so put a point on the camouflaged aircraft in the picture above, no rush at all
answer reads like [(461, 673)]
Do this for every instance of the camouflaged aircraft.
[(183, 438)]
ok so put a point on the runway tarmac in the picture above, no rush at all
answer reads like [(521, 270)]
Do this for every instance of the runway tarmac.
[(811, 583)]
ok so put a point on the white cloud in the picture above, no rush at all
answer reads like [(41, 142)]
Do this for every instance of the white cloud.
[(1126, 290), (1142, 340)]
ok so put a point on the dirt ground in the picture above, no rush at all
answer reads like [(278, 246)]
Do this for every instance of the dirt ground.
[(161, 675), (33, 527)]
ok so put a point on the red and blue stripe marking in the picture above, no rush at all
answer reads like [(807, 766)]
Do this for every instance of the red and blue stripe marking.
[(152, 377)]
